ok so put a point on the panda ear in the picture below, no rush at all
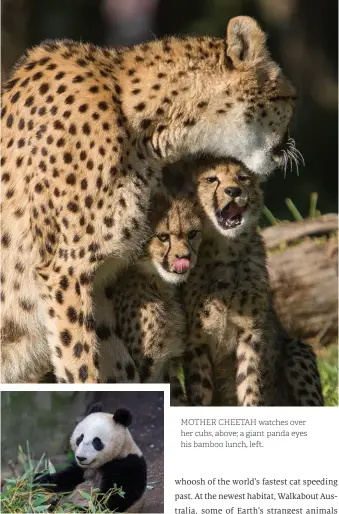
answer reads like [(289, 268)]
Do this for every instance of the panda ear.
[(123, 416), (95, 407)]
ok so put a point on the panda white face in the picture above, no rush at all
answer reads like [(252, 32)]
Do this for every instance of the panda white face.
[(97, 440)]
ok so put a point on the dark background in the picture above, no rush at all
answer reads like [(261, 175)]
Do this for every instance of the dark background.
[(302, 38)]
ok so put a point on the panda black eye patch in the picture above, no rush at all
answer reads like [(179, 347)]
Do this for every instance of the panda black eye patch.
[(79, 439), (97, 443)]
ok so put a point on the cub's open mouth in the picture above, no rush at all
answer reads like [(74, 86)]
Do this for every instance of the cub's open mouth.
[(230, 216)]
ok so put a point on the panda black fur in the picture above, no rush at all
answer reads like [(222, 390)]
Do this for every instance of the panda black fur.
[(105, 455)]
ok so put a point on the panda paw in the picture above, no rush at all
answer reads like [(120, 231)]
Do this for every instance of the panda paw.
[(42, 479)]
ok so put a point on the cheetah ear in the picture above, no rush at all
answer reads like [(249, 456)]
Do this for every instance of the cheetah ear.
[(246, 43)]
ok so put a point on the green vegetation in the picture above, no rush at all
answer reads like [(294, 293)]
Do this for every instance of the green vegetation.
[(328, 368), (313, 212), (19, 495), (327, 357)]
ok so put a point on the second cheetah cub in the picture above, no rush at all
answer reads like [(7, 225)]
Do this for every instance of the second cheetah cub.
[(238, 352), (143, 320), (226, 296)]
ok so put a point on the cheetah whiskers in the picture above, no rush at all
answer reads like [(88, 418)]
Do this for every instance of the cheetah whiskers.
[(285, 163), (294, 155), (288, 161), (291, 143), (292, 159)]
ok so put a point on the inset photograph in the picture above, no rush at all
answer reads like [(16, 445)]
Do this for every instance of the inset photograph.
[(71, 451)]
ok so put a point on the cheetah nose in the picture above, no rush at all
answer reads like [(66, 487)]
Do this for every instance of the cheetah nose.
[(233, 192), (81, 459)]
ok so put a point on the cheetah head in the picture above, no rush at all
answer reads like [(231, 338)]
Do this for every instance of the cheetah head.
[(230, 196), (251, 103), (224, 97), (172, 250)]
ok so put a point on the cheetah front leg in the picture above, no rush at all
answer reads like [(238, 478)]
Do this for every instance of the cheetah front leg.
[(249, 367), (71, 328), (198, 372), (248, 313)]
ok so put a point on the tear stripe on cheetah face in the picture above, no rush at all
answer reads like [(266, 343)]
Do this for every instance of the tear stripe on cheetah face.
[(86, 131), (230, 197), (172, 251)]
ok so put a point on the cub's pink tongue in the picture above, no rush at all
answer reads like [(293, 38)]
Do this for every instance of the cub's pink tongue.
[(181, 265)]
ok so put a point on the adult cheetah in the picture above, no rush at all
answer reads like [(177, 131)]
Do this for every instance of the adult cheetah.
[(238, 353), (140, 321), (85, 133)]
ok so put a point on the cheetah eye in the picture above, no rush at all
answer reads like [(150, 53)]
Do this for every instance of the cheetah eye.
[(192, 234), (79, 439), (243, 178), (163, 237), (211, 179), (98, 444)]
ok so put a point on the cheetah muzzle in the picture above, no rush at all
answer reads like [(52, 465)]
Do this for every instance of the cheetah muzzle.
[(230, 216)]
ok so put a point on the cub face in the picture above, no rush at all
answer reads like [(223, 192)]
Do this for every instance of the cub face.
[(173, 248), (230, 196)]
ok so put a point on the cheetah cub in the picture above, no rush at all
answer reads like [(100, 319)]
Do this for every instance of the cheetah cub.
[(144, 314), (238, 353), (225, 297)]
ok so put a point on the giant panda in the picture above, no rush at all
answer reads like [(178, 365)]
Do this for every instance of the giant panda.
[(106, 457)]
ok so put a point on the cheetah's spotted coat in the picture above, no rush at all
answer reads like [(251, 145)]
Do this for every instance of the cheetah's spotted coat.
[(139, 315), (85, 133), (238, 353)]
